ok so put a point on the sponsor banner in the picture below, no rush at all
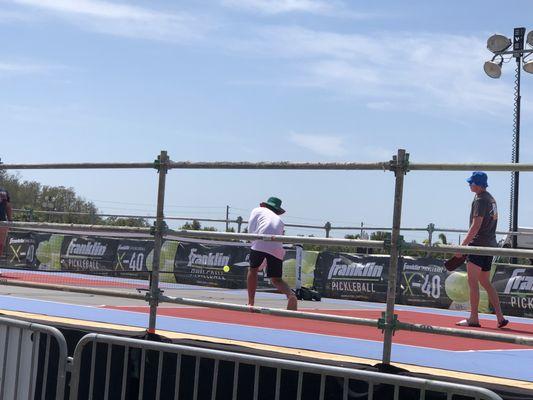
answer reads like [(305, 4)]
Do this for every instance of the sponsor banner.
[(132, 256), (352, 276), (423, 282), (211, 265), (514, 284), (21, 249), (224, 266), (88, 254)]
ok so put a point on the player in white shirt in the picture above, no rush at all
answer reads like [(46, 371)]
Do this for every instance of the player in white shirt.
[(265, 220)]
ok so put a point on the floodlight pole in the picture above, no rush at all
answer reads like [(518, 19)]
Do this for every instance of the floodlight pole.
[(499, 45), (518, 47)]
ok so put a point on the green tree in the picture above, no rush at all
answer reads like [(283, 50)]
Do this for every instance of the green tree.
[(378, 235), (126, 221), (196, 226), (36, 198)]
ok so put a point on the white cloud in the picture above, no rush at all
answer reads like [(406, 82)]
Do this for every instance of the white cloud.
[(280, 6), (13, 16), (122, 19), (21, 68), (329, 8), (331, 146), (414, 71)]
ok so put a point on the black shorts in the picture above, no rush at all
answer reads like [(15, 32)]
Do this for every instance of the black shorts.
[(483, 262), (274, 268)]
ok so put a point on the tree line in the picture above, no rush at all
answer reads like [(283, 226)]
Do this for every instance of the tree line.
[(35, 202)]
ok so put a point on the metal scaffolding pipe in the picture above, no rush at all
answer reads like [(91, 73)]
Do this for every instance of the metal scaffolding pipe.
[(281, 165), (75, 227), (73, 289), (482, 251), (153, 299), (271, 311), (79, 166), (470, 167), (467, 333), (376, 244), (241, 221), (400, 163)]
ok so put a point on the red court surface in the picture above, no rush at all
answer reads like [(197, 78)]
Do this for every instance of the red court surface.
[(69, 280), (356, 331)]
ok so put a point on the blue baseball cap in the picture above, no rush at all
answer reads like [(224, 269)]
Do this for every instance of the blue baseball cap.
[(478, 178)]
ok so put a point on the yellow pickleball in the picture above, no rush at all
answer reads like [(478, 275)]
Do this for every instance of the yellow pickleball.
[(226, 268)]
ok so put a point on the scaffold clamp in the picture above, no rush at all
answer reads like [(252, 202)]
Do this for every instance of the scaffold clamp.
[(399, 166), (158, 165), (382, 323)]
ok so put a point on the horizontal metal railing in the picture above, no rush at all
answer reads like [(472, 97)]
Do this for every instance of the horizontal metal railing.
[(376, 244), (183, 371), (466, 333), (327, 226), (74, 227), (281, 165)]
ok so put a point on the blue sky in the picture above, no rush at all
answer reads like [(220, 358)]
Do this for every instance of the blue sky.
[(260, 80)]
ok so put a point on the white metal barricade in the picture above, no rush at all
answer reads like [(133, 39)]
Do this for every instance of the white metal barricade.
[(33, 358), (109, 367)]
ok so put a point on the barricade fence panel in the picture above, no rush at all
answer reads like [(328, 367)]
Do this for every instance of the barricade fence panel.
[(33, 361), (108, 367), (92, 260)]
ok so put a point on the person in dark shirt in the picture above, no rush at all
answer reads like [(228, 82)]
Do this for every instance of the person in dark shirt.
[(6, 214), (482, 232)]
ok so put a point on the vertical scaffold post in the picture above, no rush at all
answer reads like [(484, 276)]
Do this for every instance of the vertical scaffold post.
[(327, 227), (159, 230), (399, 165), (430, 229)]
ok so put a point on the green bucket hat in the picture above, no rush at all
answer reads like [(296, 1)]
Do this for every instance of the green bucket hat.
[(274, 204)]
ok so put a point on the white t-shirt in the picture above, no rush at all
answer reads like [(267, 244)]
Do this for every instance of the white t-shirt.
[(264, 221)]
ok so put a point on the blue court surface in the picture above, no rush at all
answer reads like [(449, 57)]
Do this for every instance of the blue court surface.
[(506, 364)]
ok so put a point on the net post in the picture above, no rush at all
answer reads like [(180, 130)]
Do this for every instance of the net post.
[(298, 269), (161, 164), (399, 165)]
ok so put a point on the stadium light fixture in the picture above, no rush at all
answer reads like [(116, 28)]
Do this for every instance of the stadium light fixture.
[(528, 67), (529, 39), (497, 43), (493, 69)]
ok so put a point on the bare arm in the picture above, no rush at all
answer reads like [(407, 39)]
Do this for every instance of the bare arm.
[(472, 232)]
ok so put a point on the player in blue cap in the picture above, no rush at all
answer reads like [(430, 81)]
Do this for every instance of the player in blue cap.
[(482, 232)]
